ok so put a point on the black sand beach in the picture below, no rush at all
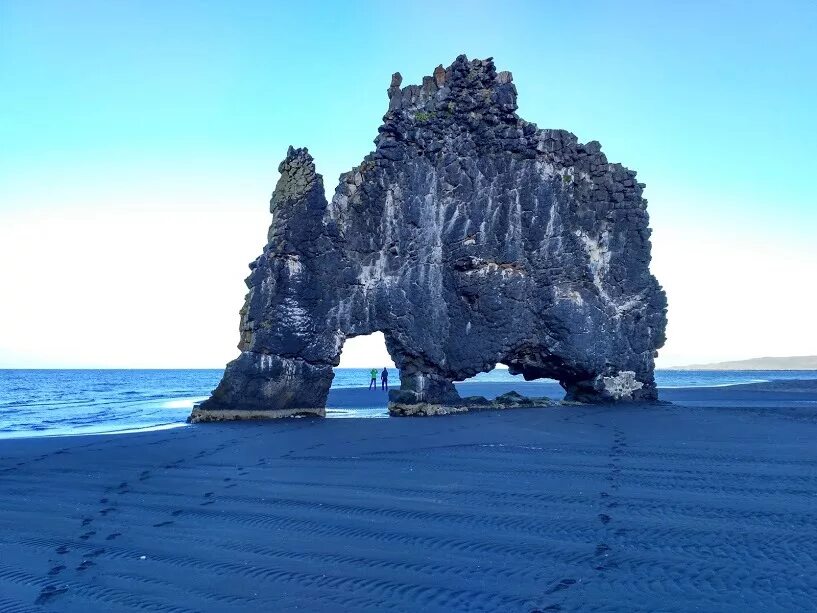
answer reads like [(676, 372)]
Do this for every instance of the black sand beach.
[(704, 505)]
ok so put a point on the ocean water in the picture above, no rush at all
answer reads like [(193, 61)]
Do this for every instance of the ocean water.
[(55, 402)]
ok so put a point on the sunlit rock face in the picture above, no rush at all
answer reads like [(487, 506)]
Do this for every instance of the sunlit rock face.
[(468, 237)]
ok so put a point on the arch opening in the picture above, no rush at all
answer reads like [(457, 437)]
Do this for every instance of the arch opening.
[(499, 380), (352, 393)]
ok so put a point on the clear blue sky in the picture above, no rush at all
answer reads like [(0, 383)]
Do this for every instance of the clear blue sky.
[(184, 107)]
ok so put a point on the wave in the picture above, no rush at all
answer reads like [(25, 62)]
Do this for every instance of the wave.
[(183, 403), (704, 385)]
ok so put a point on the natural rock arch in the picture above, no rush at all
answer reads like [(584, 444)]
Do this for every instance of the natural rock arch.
[(468, 237)]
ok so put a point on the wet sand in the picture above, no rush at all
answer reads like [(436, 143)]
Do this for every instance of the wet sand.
[(707, 504)]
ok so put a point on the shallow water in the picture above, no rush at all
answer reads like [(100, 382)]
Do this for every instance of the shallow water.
[(46, 402)]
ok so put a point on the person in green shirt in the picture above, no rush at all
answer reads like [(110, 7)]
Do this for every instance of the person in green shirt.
[(373, 382)]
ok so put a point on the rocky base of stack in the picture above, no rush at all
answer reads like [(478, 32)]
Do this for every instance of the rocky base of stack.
[(511, 400), (199, 416)]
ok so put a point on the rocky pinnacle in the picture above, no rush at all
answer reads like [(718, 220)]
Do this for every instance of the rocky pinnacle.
[(469, 237)]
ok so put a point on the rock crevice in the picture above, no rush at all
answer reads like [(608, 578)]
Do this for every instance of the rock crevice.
[(468, 237)]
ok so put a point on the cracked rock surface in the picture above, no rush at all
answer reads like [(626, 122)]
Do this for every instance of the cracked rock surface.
[(468, 237)]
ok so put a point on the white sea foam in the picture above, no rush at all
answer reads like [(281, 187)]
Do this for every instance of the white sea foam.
[(704, 384), (183, 403), (77, 432)]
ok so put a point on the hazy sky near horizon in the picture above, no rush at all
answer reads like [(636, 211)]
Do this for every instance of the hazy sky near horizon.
[(139, 144)]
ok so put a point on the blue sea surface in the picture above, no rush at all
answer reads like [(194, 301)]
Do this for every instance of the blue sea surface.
[(49, 402)]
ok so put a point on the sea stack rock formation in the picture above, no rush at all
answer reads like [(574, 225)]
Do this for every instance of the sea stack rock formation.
[(469, 237)]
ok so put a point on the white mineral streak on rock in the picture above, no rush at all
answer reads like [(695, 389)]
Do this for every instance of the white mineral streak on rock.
[(628, 305), (265, 362), (598, 260), (293, 265), (289, 369), (622, 385), (599, 263), (371, 274), (389, 217), (297, 318), (515, 227), (568, 293), (484, 268), (453, 219), (434, 214), (551, 226), (342, 313), (547, 171), (337, 341)]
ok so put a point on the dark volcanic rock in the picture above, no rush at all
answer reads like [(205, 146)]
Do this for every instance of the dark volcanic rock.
[(468, 237), (510, 400)]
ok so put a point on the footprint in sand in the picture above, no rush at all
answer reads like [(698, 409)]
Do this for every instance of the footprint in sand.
[(177, 512), (113, 536), (204, 504), (62, 549), (86, 521), (56, 570), (604, 518), (562, 585), (108, 510), (162, 524), (86, 564), (49, 592), (606, 565), (87, 535), (144, 475)]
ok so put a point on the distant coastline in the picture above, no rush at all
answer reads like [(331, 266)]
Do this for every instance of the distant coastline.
[(804, 362)]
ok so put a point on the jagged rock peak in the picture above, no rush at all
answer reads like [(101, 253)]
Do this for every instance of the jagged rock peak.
[(298, 177), (464, 87)]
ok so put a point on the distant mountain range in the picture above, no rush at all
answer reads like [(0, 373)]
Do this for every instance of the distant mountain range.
[(803, 362)]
